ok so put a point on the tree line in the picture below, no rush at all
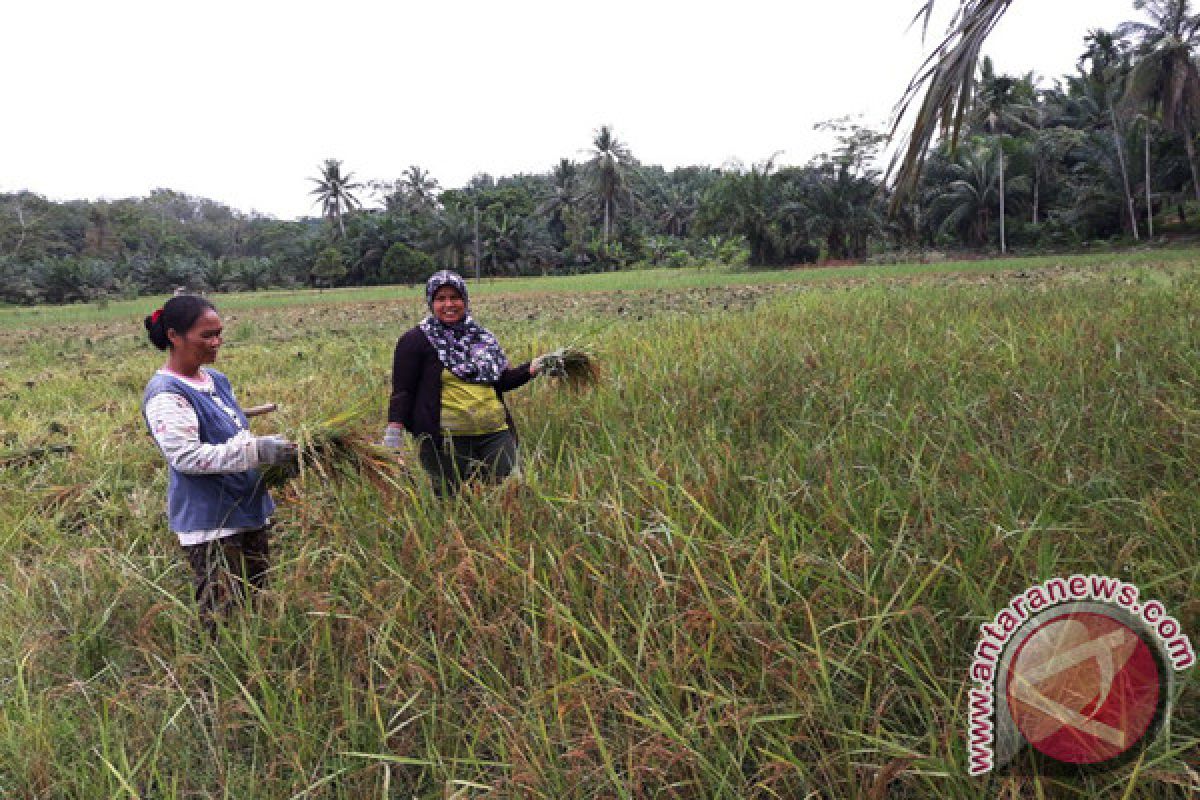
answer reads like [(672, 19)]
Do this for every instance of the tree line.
[(1105, 153)]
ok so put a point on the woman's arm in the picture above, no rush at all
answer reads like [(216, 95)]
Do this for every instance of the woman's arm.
[(406, 373), (515, 377), (176, 429)]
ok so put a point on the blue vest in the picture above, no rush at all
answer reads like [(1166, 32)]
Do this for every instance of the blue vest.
[(211, 502)]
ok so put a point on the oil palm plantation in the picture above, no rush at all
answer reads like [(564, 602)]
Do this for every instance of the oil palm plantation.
[(677, 210), (745, 203), (335, 192), (452, 236)]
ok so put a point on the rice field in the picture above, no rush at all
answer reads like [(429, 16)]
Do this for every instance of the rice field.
[(750, 562)]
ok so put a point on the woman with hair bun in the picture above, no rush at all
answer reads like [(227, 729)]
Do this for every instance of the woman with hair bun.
[(216, 502)]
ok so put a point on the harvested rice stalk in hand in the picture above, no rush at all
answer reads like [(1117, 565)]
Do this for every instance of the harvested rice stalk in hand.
[(333, 449), (276, 476), (571, 367)]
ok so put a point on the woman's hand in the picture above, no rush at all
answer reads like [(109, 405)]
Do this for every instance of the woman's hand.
[(393, 439), (393, 436), (275, 450)]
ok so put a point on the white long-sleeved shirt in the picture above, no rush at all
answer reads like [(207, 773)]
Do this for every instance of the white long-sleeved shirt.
[(176, 430)]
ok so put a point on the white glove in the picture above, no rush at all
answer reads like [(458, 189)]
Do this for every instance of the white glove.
[(393, 437), (275, 450)]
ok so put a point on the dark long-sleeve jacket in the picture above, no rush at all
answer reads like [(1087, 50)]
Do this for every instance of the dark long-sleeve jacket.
[(416, 401)]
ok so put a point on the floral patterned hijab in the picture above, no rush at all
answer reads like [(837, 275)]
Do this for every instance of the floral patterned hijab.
[(467, 349)]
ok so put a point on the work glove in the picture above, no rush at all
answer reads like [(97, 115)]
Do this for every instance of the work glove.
[(393, 437), (547, 364), (276, 450)]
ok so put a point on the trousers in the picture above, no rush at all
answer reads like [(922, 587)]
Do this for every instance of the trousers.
[(226, 572), (489, 457)]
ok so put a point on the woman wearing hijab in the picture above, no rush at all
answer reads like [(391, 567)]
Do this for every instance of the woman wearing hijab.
[(449, 376)]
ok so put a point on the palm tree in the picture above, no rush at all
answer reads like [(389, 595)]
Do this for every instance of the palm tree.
[(419, 188), (609, 167), (565, 194), (453, 234), (1147, 120), (678, 209), (965, 203), (1042, 140), (504, 241), (334, 192), (744, 203), (999, 109), (1166, 78), (1109, 70)]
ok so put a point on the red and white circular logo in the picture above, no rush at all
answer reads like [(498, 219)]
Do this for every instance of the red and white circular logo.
[(1085, 688)]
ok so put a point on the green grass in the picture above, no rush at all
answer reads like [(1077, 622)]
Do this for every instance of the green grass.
[(751, 563)]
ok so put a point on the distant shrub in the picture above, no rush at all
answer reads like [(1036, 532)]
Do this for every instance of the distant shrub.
[(405, 264), (328, 267), (677, 259)]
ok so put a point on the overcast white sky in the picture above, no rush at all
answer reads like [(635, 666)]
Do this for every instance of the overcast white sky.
[(240, 100)]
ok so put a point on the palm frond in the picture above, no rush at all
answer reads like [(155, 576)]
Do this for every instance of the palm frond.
[(941, 90)]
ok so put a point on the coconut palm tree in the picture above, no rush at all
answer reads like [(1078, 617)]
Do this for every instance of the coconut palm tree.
[(419, 188), (1165, 79), (335, 192), (609, 168), (1109, 65)]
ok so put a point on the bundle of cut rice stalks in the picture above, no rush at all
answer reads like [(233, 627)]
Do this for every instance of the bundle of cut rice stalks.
[(572, 367), (334, 449)]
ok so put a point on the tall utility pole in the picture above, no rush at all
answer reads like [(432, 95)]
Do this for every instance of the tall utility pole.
[(477, 259), (1149, 197)]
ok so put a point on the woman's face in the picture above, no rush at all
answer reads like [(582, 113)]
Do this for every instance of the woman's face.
[(448, 305), (199, 345)]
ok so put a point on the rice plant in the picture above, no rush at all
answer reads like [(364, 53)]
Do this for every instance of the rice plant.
[(749, 562)]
